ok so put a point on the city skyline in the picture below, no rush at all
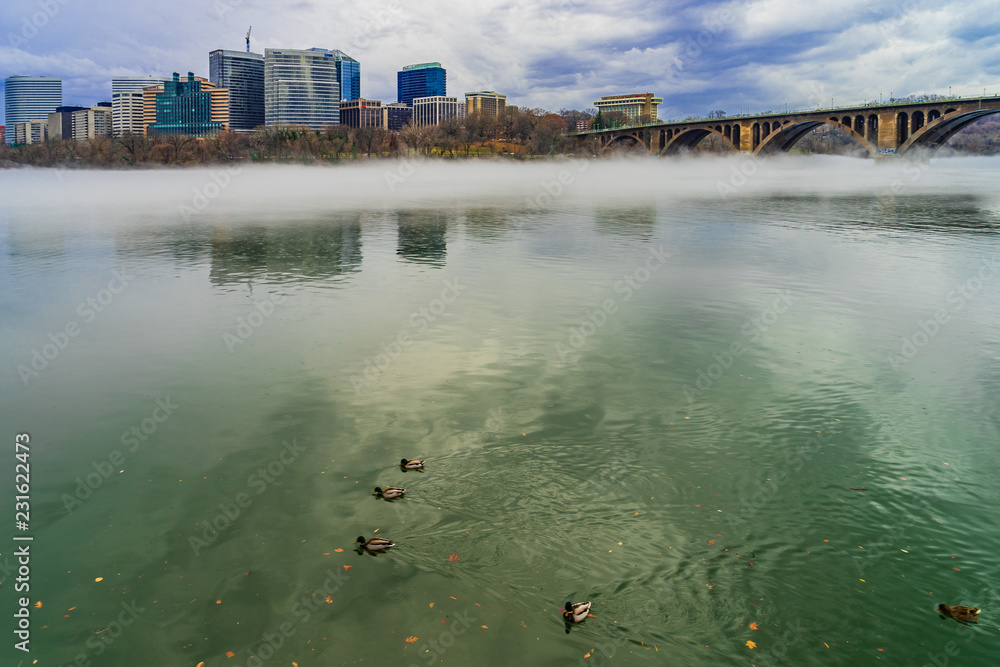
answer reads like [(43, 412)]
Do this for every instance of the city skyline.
[(698, 57)]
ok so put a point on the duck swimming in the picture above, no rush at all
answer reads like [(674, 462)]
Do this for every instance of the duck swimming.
[(415, 464), (576, 612), (960, 612), (374, 544), (389, 493)]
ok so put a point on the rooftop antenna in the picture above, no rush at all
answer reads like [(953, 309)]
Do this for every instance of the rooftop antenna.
[(248, 39)]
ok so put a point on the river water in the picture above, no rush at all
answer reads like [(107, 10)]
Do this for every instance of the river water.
[(750, 410)]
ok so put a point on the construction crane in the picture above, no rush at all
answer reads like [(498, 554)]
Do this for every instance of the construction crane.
[(248, 39)]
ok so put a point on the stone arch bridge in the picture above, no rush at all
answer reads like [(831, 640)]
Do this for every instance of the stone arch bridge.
[(884, 131)]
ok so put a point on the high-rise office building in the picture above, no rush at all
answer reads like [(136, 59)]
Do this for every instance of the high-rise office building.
[(349, 75), (30, 98), (423, 80), (127, 113), (485, 103), (301, 88), (433, 110), (135, 84), (193, 106), (242, 74)]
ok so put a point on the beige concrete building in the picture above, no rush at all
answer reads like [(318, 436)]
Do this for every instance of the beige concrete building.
[(633, 106), (485, 103), (93, 122), (31, 132), (434, 110)]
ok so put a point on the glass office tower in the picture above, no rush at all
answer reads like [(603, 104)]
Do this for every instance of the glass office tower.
[(194, 107), (301, 88), (242, 73), (423, 80), (27, 98), (349, 76)]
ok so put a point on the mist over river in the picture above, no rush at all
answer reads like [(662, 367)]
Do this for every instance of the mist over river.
[(749, 408)]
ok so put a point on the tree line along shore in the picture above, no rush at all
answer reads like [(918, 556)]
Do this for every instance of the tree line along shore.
[(517, 134)]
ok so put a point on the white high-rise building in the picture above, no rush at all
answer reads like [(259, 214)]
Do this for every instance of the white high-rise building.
[(301, 88), (134, 84), (127, 114), (29, 98), (433, 110)]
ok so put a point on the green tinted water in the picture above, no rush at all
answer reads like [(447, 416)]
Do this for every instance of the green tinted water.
[(659, 405)]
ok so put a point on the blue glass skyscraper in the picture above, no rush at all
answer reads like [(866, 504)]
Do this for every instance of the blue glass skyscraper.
[(423, 80), (349, 76)]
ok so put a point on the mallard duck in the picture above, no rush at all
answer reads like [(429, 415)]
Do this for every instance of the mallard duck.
[(576, 611), (960, 612), (374, 544), (415, 464), (389, 493)]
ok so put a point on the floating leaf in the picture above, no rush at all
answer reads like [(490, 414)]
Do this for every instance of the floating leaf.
[(230, 654), (750, 644), (99, 579), (410, 640), (454, 558), (711, 542), (328, 600), (484, 627), (347, 567), (218, 602), (38, 605), (753, 626), (431, 605), (339, 551)]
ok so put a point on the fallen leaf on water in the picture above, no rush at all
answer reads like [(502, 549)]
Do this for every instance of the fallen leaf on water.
[(71, 609), (957, 569), (750, 644), (592, 616), (38, 605), (201, 664), (431, 605), (711, 541), (347, 567), (826, 645), (881, 649), (753, 626), (410, 640), (453, 597), (99, 579), (478, 605), (218, 602), (328, 600), (454, 558), (339, 551), (229, 654), (484, 627)]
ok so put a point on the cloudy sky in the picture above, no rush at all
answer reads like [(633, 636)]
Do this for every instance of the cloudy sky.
[(698, 56)]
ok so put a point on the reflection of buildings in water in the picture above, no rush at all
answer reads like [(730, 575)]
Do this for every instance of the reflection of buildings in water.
[(486, 223), (637, 221), (293, 252), (422, 236)]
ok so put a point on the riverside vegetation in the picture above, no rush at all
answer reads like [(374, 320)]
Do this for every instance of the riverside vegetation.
[(519, 133)]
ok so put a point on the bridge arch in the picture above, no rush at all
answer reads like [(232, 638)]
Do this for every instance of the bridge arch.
[(630, 138), (688, 138), (784, 137), (942, 128)]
